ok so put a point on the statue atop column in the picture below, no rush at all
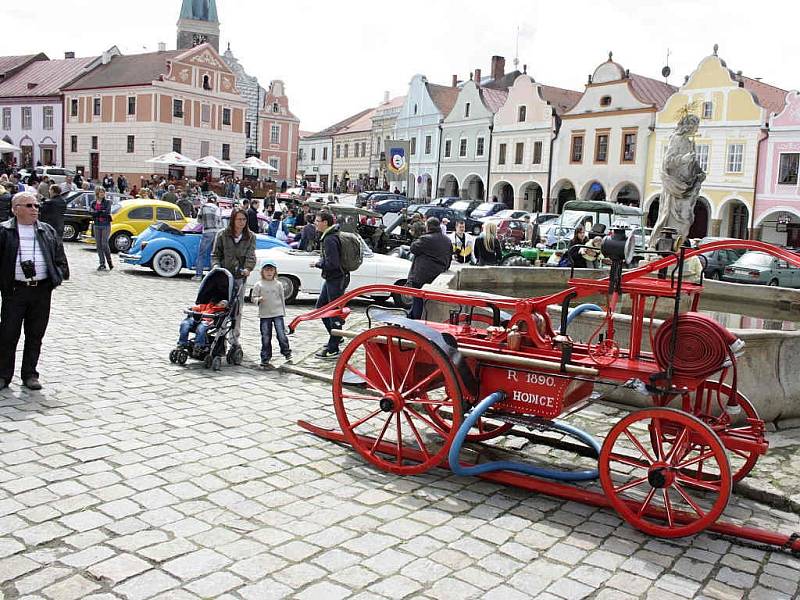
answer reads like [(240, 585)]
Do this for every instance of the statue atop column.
[(681, 177)]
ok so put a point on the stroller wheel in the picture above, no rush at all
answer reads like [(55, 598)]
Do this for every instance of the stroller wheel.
[(235, 355), (207, 361), (216, 363), (173, 356), (182, 356)]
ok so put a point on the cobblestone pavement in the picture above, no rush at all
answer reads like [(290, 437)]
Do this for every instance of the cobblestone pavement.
[(129, 477)]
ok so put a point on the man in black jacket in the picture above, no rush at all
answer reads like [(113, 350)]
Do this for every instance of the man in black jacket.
[(252, 217), (32, 263), (52, 210), (336, 278), (432, 254)]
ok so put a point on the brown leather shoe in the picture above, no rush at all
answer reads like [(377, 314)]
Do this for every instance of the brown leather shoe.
[(32, 383)]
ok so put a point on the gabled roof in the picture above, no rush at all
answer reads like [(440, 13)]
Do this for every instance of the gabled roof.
[(651, 91), (363, 123), (493, 98), (505, 82), (44, 77), (443, 97), (770, 97), (125, 70), (337, 127), (11, 64), (560, 99)]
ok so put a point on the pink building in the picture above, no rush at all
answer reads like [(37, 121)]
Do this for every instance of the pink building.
[(279, 134), (777, 205)]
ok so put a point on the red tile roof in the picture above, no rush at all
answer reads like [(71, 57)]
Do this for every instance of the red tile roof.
[(11, 64), (44, 77), (493, 98), (443, 97), (651, 91), (770, 97), (363, 123), (560, 99), (336, 127), (133, 69)]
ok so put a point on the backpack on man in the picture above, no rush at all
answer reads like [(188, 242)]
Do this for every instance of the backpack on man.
[(350, 256)]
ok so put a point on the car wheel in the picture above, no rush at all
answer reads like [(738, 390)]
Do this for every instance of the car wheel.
[(70, 233), (121, 242), (714, 275), (516, 261), (773, 283), (291, 287), (403, 301), (167, 262)]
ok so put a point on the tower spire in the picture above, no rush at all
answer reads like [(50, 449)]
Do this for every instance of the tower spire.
[(198, 23)]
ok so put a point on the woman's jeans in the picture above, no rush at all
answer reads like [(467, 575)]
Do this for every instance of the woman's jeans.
[(267, 325), (101, 233)]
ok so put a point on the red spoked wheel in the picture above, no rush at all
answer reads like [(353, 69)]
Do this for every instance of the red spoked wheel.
[(708, 403), (648, 480), (386, 418), (484, 429)]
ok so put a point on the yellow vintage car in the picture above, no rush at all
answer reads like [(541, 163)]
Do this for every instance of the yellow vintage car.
[(132, 217)]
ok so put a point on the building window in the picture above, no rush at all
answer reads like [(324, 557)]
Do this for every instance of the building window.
[(338, 150), (275, 107), (501, 155), (177, 108), (601, 148), (205, 148), (226, 116), (428, 141), (247, 129), (47, 117), (226, 151), (130, 143), (448, 146), (605, 101), (363, 148), (96, 107), (537, 153), (708, 110), (415, 109), (519, 151), (300, 154), (738, 222), (462, 147), (206, 82), (628, 147), (413, 145), (325, 153), (313, 154), (466, 110), (273, 162), (275, 134), (735, 153), (576, 151), (73, 107), (346, 150), (522, 113), (787, 174), (177, 144), (94, 142), (131, 105), (205, 113), (27, 117), (7, 119), (73, 142), (479, 146), (701, 151)]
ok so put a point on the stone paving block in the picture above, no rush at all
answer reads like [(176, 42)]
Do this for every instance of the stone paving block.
[(85, 520), (214, 585), (570, 589), (39, 534), (15, 566), (40, 579), (146, 585), (71, 589), (258, 567), (396, 586), (298, 575), (87, 557), (265, 590), (737, 579), (195, 564), (119, 568)]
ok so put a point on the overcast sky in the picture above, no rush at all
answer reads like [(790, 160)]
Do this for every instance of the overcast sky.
[(337, 58)]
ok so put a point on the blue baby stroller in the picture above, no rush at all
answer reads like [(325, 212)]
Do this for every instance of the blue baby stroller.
[(218, 285)]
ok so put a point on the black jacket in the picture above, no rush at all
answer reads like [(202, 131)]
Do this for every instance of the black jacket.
[(5, 205), (432, 255), (52, 213), (252, 220), (308, 237), (330, 258), (485, 257), (52, 248), (101, 216)]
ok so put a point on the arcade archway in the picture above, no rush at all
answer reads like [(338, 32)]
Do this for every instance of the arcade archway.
[(504, 193), (473, 188), (532, 197)]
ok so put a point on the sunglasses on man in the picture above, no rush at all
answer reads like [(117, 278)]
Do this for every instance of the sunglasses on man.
[(35, 205)]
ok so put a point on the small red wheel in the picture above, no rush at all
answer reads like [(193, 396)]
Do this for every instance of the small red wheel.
[(708, 403), (648, 480), (484, 429), (403, 377)]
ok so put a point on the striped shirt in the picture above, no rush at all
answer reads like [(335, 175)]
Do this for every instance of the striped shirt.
[(29, 251)]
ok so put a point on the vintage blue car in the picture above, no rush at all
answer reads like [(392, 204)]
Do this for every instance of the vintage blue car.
[(167, 250)]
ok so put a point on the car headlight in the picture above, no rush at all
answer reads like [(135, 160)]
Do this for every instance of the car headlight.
[(144, 245)]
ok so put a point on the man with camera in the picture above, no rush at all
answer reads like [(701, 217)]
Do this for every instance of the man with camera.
[(32, 263)]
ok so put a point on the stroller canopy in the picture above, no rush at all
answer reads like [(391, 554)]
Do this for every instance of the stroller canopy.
[(216, 286)]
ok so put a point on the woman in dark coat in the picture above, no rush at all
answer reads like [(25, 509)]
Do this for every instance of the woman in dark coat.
[(574, 254), (487, 249)]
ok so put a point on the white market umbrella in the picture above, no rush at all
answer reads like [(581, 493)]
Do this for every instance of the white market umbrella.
[(254, 162), (173, 158), (212, 162), (6, 147)]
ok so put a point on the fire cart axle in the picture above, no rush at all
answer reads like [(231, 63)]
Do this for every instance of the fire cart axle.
[(567, 492)]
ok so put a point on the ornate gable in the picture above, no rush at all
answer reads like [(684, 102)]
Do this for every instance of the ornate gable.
[(203, 68)]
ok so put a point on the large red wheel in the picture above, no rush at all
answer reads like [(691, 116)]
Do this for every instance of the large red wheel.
[(484, 429), (708, 403), (401, 376), (648, 478)]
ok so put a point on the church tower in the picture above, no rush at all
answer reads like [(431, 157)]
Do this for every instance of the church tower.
[(198, 23)]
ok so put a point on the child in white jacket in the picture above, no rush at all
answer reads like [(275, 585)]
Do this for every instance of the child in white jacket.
[(268, 296)]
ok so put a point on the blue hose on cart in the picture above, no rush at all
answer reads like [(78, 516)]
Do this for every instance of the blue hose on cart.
[(582, 308), (508, 465)]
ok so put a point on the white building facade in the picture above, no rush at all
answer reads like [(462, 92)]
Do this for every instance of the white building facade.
[(315, 159)]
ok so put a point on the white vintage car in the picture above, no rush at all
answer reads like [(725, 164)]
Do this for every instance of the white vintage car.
[(298, 276)]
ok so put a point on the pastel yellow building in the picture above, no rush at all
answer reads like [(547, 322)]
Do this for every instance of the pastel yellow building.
[(734, 111)]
